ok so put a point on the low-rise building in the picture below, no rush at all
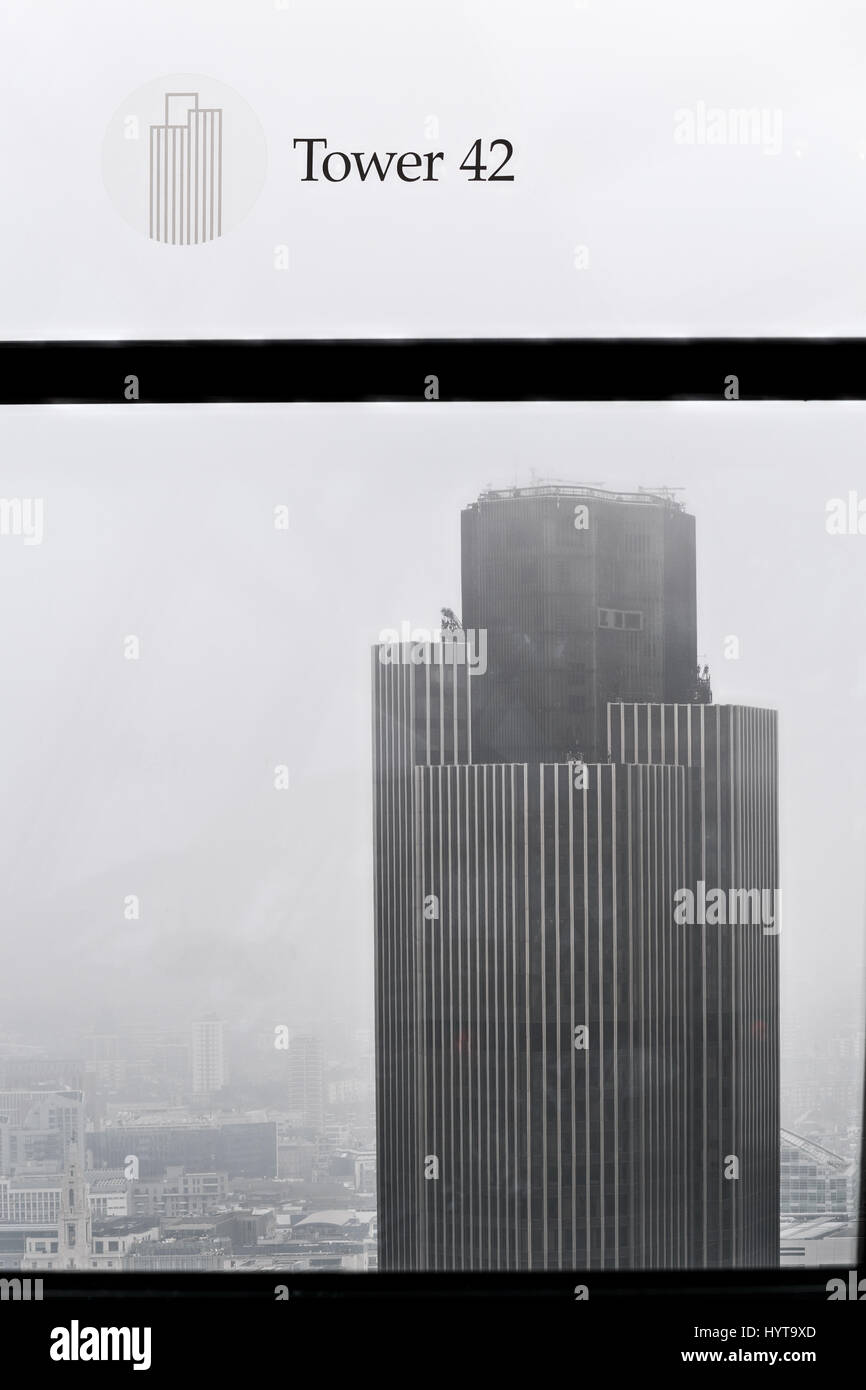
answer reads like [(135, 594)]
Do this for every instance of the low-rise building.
[(113, 1240), (814, 1181), (108, 1193)]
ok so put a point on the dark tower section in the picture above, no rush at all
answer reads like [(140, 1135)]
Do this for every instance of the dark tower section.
[(586, 597)]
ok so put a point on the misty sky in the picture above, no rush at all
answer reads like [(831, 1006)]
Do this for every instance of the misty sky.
[(155, 777)]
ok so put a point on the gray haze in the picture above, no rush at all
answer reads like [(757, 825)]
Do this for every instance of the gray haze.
[(155, 777)]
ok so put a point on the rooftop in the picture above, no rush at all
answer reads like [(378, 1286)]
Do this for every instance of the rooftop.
[(334, 1218), (653, 497), (819, 1228), (101, 1182), (125, 1225)]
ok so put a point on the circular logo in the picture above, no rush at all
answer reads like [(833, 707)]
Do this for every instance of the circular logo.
[(184, 159)]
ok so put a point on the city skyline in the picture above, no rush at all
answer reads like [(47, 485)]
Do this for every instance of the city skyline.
[(155, 780)]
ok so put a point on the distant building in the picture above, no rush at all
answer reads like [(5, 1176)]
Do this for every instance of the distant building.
[(333, 1239), (37, 1126), (822, 1090), (40, 1073), (113, 1240), (298, 1160), (103, 1047), (193, 1194), (365, 1172), (178, 1194), (335, 1225), (208, 1056), (64, 1242), (820, 1241), (246, 1149), (814, 1181), (164, 1255), (30, 1199), (109, 1194), (306, 1081)]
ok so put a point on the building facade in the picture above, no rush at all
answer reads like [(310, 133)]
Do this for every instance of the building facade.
[(208, 1056), (421, 717), (306, 1069), (586, 597), (574, 1072)]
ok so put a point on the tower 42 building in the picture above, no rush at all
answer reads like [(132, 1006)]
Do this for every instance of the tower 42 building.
[(571, 1073)]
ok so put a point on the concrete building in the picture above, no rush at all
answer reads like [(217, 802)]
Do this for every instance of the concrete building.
[(193, 1194), (298, 1159), (182, 1256), (306, 1082), (365, 1172), (114, 1239), (819, 1241), (334, 1225), (109, 1194), (37, 1127), (240, 1148), (209, 1073), (815, 1182)]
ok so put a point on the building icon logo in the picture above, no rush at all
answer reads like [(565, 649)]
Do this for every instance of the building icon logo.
[(185, 172), (184, 159)]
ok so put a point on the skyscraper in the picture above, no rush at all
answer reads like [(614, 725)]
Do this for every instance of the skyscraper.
[(573, 1072), (420, 718), (208, 1056), (307, 1081)]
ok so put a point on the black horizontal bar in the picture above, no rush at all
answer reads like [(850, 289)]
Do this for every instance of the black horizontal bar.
[(225, 1327), (482, 369), (683, 1284)]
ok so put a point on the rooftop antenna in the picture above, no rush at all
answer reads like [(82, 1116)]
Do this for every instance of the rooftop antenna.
[(663, 490)]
